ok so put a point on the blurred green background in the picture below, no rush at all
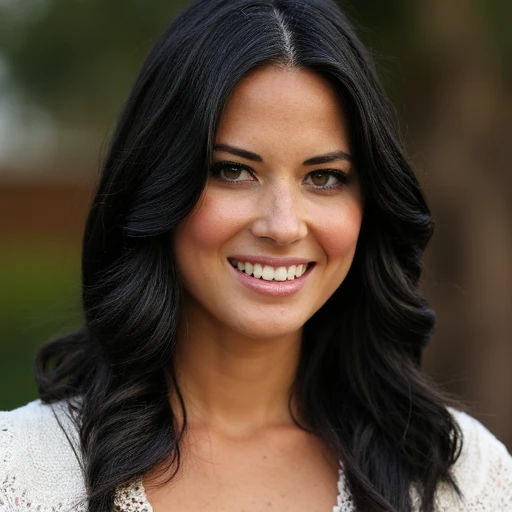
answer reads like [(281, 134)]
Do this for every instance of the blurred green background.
[(67, 65)]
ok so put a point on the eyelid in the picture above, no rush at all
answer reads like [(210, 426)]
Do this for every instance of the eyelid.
[(227, 163)]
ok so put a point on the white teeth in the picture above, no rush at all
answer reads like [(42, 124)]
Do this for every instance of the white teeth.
[(280, 274), (269, 273)]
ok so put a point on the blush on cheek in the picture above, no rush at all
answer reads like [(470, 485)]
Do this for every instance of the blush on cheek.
[(213, 222), (339, 238)]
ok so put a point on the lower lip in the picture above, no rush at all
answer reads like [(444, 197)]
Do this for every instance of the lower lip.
[(272, 288)]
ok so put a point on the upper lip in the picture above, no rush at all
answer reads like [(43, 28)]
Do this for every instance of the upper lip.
[(270, 260)]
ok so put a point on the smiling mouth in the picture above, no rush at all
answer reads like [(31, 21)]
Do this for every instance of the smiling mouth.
[(269, 273)]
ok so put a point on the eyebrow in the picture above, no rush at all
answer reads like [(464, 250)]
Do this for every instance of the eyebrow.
[(328, 157), (315, 160), (243, 153)]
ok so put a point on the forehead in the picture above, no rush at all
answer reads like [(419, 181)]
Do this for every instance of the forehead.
[(290, 106)]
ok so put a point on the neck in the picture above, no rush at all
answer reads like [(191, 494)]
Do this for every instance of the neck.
[(234, 383)]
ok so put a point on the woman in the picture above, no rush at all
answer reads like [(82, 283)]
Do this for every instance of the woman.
[(253, 323)]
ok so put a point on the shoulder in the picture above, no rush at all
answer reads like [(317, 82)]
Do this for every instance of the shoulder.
[(483, 471), (39, 458)]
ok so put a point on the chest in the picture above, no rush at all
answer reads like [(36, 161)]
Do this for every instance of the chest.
[(249, 477)]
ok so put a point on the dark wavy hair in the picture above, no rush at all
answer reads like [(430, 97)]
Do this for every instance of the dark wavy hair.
[(358, 385)]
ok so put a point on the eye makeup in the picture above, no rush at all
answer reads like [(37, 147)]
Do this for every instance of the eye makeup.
[(236, 172)]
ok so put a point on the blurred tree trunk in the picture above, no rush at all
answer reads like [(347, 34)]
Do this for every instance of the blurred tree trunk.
[(462, 125)]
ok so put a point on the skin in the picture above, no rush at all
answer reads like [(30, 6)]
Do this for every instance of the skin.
[(238, 349)]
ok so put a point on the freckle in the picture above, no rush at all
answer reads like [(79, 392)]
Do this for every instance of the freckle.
[(269, 504), (264, 457)]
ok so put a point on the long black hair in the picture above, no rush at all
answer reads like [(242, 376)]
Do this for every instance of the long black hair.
[(358, 385)]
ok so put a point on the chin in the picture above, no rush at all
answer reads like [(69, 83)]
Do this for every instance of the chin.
[(268, 329)]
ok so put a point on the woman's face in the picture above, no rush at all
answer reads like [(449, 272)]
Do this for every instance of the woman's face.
[(276, 230)]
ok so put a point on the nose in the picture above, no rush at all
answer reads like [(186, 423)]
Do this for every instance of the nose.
[(279, 217)]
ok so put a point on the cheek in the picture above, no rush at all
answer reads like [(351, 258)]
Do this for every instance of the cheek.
[(213, 222), (339, 233)]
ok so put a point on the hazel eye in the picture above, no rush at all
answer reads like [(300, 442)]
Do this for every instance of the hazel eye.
[(231, 172), (326, 179), (320, 179)]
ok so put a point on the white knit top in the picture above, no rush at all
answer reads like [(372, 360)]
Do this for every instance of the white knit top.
[(40, 469)]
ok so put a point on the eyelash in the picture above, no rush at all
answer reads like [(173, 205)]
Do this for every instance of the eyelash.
[(217, 168)]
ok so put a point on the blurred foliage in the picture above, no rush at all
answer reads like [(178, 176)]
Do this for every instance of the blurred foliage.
[(497, 15), (78, 58), (39, 299)]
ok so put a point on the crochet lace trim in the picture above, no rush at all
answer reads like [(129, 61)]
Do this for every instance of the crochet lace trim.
[(29, 482)]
